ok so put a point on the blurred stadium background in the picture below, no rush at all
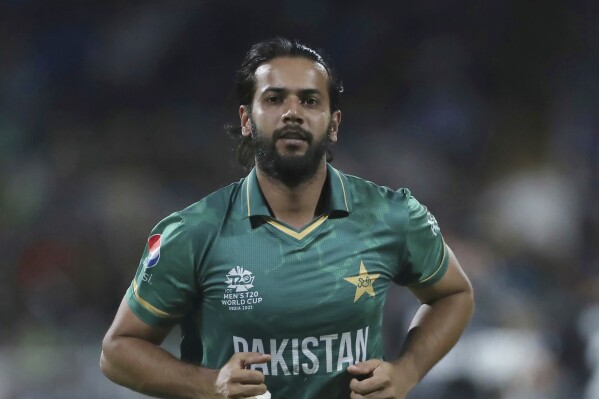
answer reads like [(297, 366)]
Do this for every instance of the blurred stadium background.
[(111, 117)]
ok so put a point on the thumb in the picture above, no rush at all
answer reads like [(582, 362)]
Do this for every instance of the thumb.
[(364, 368)]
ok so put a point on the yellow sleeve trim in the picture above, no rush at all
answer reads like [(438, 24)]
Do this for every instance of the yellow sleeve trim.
[(149, 307), (438, 268)]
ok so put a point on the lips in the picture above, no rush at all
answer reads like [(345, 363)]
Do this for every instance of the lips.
[(294, 134)]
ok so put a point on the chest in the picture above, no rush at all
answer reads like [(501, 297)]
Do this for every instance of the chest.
[(335, 275)]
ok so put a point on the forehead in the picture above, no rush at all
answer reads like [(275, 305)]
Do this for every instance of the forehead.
[(291, 73)]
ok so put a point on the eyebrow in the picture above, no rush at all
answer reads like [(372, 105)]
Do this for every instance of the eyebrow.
[(282, 90)]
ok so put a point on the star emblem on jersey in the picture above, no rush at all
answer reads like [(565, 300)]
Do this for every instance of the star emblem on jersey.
[(364, 282)]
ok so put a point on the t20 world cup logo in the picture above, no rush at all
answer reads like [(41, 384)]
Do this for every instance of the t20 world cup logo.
[(240, 279)]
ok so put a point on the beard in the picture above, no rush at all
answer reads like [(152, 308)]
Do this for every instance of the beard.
[(290, 169)]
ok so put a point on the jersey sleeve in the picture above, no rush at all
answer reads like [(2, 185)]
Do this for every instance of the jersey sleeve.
[(164, 286), (425, 255)]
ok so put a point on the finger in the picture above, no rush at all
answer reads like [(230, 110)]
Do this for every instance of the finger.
[(367, 386), (245, 359), (256, 358), (364, 368), (254, 390), (246, 391), (245, 376)]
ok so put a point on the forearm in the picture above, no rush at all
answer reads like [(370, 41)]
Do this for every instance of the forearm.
[(435, 329), (147, 368)]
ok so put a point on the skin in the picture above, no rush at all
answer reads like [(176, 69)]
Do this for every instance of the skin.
[(290, 92), (303, 101), (445, 311), (132, 357)]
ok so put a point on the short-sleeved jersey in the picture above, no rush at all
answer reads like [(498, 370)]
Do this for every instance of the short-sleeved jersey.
[(237, 279)]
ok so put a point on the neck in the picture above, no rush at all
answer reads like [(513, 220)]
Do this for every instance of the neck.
[(295, 205)]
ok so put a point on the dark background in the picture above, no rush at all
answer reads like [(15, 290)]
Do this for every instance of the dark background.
[(112, 114)]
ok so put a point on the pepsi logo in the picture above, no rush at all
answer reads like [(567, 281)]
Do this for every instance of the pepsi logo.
[(153, 251)]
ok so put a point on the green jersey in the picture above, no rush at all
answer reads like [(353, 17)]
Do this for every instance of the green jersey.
[(238, 280)]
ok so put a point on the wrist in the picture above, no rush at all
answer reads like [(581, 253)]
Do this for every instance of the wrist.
[(407, 372), (205, 382)]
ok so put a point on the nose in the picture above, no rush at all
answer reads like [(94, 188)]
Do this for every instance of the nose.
[(293, 113)]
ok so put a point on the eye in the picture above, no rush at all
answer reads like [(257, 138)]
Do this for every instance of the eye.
[(273, 99), (311, 101)]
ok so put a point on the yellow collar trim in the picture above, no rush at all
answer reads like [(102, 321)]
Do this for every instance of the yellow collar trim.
[(247, 185), (343, 188), (302, 234)]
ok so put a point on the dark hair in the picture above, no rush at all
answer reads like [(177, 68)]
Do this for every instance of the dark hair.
[(263, 52)]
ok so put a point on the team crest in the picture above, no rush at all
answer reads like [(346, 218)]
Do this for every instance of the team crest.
[(364, 282), (153, 251)]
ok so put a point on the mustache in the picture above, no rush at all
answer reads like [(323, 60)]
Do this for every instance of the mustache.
[(292, 132)]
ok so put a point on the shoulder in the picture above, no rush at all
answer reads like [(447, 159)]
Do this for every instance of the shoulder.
[(214, 206), (366, 190), (206, 215), (398, 208)]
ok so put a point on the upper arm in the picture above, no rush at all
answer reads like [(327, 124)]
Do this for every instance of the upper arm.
[(127, 324), (453, 281), (164, 288)]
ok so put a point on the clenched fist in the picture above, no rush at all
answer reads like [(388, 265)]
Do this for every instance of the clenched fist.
[(235, 379)]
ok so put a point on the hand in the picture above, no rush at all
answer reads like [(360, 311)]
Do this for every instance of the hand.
[(235, 380), (376, 379)]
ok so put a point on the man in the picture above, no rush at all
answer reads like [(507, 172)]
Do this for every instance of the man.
[(278, 281)]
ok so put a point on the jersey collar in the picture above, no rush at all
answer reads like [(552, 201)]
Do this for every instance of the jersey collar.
[(254, 204)]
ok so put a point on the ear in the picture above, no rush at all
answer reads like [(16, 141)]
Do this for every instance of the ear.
[(244, 117), (335, 122)]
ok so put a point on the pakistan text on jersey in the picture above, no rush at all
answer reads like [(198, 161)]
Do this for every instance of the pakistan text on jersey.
[(310, 355)]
